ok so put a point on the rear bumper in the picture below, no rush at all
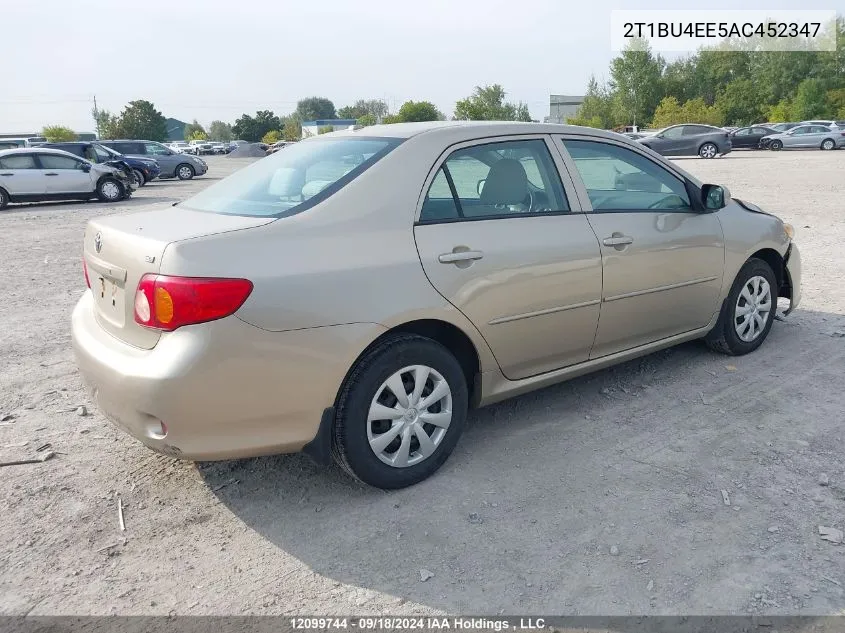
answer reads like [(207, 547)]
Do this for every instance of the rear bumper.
[(224, 389)]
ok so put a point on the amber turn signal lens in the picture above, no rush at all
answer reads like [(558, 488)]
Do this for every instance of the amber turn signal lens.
[(164, 305)]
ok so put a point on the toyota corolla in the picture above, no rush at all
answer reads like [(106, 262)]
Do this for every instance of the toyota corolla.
[(356, 294)]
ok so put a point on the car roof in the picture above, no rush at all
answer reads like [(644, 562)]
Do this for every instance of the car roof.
[(469, 129), (35, 150)]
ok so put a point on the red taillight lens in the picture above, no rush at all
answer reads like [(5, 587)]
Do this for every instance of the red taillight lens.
[(167, 303), (85, 270)]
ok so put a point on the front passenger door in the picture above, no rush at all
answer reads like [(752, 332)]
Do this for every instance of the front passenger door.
[(662, 259), (64, 174)]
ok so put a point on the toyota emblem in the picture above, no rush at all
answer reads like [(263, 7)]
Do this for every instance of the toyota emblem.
[(98, 242)]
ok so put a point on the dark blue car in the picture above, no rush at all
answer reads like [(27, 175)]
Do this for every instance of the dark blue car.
[(143, 169)]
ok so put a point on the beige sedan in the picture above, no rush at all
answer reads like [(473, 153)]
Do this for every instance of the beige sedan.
[(354, 295)]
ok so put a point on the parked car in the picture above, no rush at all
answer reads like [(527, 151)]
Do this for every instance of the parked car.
[(218, 148), (749, 137), (275, 147), (356, 293), (181, 147), (143, 169), (782, 127), (705, 141), (173, 164), (807, 136), (202, 147), (826, 123), (41, 174)]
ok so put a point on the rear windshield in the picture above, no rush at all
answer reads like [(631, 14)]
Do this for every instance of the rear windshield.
[(292, 180)]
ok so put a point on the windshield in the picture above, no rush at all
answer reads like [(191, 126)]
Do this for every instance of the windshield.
[(109, 151), (294, 180)]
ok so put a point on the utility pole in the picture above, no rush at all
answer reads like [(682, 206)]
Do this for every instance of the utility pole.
[(96, 113)]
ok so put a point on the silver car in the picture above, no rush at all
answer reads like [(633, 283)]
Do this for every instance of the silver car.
[(357, 293), (806, 136), (41, 174)]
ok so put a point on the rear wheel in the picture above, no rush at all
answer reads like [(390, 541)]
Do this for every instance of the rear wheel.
[(400, 413), (110, 190), (776, 145), (185, 172), (4, 198), (749, 311), (828, 143), (708, 150)]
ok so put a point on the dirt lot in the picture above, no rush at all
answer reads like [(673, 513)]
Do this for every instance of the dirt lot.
[(598, 496)]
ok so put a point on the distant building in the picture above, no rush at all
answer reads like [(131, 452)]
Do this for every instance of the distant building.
[(175, 130), (562, 107), (312, 128)]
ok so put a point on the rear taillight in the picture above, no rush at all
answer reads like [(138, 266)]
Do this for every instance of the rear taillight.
[(85, 270), (167, 303)]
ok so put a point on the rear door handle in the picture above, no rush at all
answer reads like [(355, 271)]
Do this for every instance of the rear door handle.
[(6, 174), (51, 174), (460, 256), (617, 240)]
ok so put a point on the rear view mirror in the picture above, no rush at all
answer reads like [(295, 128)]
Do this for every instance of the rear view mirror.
[(714, 197), (86, 167), (480, 186)]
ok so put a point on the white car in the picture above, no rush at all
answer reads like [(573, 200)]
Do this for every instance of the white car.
[(181, 147), (36, 175)]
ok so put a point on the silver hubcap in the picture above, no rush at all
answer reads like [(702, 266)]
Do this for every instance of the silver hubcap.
[(752, 308), (409, 416), (184, 172), (827, 144), (708, 151), (111, 190)]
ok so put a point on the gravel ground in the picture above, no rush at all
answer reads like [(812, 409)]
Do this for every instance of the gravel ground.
[(597, 496)]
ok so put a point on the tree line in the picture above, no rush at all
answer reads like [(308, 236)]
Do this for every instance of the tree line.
[(730, 85), (140, 119)]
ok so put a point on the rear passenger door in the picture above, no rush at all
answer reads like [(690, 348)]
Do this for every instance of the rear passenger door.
[(21, 175), (498, 238)]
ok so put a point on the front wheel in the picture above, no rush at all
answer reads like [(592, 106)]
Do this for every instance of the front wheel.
[(139, 178), (4, 198), (708, 150), (776, 145), (400, 413), (110, 190), (828, 144), (185, 172), (748, 312)]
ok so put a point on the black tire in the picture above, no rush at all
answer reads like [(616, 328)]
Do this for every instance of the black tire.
[(708, 150), (184, 171), (350, 444), (776, 145), (723, 337), (139, 178), (110, 190), (828, 144), (4, 198)]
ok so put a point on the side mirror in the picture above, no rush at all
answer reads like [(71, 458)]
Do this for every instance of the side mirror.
[(714, 197), (86, 167), (479, 187)]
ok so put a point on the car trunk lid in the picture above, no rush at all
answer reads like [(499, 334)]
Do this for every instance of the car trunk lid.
[(119, 250)]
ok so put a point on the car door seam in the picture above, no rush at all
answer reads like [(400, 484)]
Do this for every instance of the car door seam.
[(637, 293), (528, 315)]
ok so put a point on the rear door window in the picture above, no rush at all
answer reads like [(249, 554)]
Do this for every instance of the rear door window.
[(19, 161)]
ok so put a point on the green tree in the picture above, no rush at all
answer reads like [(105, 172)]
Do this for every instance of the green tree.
[(598, 110), (419, 111), (668, 112), (273, 136), (739, 103), (487, 103), (195, 132), (635, 78), (220, 131), (363, 107), (366, 120), (292, 129), (809, 102), (141, 120), (105, 123), (780, 112), (58, 133), (697, 111), (325, 129), (391, 118), (252, 129), (314, 108)]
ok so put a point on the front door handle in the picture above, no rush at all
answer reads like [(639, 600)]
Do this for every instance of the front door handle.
[(6, 174), (617, 240), (460, 256), (51, 174)]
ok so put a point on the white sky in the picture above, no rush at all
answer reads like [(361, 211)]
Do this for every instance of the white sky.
[(216, 59)]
